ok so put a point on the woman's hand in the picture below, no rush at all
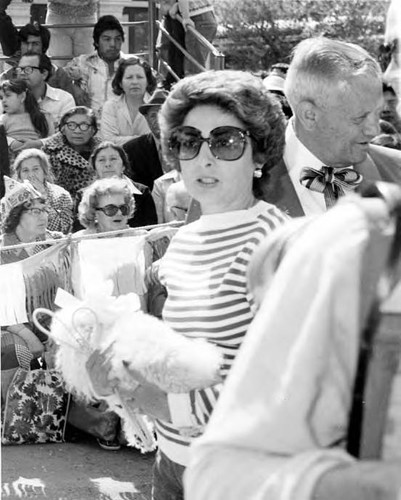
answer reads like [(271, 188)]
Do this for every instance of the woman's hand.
[(152, 274), (187, 23), (149, 400), (174, 10), (98, 367)]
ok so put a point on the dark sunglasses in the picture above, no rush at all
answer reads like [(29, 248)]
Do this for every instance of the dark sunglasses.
[(111, 210), (225, 143)]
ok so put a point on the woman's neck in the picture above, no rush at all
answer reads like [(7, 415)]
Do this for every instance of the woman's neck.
[(133, 104), (20, 111)]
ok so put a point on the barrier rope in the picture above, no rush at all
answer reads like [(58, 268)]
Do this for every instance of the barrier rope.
[(132, 231)]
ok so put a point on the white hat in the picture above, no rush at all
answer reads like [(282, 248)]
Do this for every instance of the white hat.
[(274, 82), (16, 194)]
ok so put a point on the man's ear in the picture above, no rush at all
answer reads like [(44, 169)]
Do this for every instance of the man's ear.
[(308, 114), (45, 73)]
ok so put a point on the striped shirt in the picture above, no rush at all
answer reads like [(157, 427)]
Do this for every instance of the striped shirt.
[(205, 271)]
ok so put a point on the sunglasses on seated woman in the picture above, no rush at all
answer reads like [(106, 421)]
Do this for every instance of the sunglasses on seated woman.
[(111, 210), (226, 143)]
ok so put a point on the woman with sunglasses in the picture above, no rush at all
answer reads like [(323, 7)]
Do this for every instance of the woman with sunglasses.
[(106, 206), (223, 131)]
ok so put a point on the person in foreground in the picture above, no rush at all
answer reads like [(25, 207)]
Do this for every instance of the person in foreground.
[(335, 91), (223, 131), (284, 426)]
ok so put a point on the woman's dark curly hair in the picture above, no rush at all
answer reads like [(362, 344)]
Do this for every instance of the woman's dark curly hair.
[(11, 222), (237, 93), (133, 61)]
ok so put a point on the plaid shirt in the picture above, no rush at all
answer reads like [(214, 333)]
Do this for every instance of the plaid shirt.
[(60, 204)]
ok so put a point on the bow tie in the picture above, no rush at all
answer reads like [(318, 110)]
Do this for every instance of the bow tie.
[(330, 181)]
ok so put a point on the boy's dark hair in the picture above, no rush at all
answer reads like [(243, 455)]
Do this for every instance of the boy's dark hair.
[(35, 29), (106, 23)]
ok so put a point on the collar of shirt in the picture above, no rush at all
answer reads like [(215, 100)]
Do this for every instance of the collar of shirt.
[(50, 93), (296, 157)]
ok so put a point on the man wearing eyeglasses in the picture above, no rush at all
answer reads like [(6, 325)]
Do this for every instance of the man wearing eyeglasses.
[(32, 38), (36, 69)]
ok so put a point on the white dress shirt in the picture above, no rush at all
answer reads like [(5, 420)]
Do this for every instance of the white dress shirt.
[(56, 103), (296, 157)]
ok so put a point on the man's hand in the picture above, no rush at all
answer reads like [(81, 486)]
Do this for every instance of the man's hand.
[(362, 480)]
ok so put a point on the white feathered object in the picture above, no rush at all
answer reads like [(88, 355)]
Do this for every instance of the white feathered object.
[(139, 348)]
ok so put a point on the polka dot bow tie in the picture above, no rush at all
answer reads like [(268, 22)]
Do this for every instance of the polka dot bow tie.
[(332, 182)]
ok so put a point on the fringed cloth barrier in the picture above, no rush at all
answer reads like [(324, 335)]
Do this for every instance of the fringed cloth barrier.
[(33, 282)]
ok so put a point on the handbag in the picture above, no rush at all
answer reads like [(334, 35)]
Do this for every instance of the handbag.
[(36, 408)]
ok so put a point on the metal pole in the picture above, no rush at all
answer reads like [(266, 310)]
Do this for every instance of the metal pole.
[(152, 34)]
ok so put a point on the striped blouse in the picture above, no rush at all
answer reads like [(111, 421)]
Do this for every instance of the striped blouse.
[(204, 271)]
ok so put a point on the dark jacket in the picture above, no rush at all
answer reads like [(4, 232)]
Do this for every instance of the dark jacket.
[(381, 164), (144, 160)]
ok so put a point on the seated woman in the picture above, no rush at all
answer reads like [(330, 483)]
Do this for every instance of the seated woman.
[(109, 160), (33, 165), (106, 206), (70, 148), (24, 220), (133, 83)]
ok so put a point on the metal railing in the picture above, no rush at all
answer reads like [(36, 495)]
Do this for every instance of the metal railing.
[(216, 57)]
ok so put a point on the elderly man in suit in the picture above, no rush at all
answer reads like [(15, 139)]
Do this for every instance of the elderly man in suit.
[(335, 91)]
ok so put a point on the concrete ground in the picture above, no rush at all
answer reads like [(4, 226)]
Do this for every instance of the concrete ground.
[(75, 471)]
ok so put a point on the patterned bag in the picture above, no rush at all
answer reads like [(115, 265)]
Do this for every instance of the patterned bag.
[(36, 408)]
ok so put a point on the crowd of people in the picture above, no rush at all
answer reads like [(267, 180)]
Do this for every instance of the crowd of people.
[(101, 144)]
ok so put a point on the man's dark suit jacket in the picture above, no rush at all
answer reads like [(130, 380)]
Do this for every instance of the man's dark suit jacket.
[(144, 160), (381, 164)]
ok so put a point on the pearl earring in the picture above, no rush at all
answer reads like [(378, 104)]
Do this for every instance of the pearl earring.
[(257, 173)]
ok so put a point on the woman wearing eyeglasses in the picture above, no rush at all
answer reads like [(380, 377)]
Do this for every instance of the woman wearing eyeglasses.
[(223, 131), (106, 205), (70, 148), (24, 216)]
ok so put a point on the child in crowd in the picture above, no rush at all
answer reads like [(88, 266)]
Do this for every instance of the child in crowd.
[(22, 118)]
